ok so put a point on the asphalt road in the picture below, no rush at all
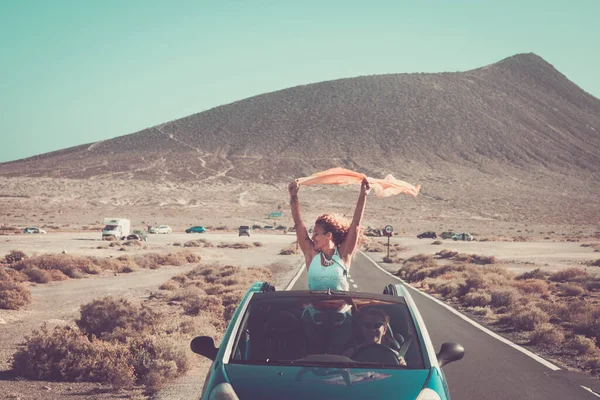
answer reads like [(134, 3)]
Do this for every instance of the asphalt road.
[(491, 369)]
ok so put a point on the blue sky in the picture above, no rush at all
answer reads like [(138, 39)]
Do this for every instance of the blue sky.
[(75, 72)]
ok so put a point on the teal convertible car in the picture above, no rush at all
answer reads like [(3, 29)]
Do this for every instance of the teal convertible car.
[(326, 345)]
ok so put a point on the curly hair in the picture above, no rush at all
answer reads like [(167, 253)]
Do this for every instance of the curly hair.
[(339, 227)]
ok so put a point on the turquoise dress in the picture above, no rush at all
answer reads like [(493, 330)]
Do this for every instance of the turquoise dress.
[(334, 276)]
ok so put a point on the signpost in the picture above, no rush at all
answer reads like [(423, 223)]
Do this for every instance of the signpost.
[(388, 232), (275, 214)]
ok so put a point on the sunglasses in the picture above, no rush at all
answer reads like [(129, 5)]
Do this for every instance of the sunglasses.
[(373, 325)]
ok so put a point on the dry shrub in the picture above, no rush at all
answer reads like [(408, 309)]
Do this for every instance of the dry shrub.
[(9, 274), (482, 260), (437, 242), (257, 244), (177, 244), (570, 289), (14, 256), (446, 253), (13, 295), (463, 257), (445, 287), (57, 275), (532, 286), (66, 354), (169, 285), (37, 275), (288, 251), (548, 334), (477, 298), (567, 275), (135, 243), (582, 345), (155, 260), (483, 311), (593, 363), (237, 245), (594, 263), (208, 305), (91, 269), (504, 297), (105, 316), (192, 243), (230, 302), (527, 318), (534, 274), (197, 326), (157, 360)]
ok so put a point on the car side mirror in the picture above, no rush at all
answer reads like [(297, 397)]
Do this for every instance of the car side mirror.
[(205, 346), (450, 352)]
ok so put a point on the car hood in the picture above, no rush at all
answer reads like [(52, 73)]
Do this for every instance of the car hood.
[(265, 382)]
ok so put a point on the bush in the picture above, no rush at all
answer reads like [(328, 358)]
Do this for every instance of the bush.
[(437, 242), (548, 334), (535, 274), (37, 275), (14, 256), (570, 289), (504, 297), (103, 317), (528, 318), (583, 345), (532, 286), (567, 275), (446, 253), (477, 299), (66, 354), (13, 295)]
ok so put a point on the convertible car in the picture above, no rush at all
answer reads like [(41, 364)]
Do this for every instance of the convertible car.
[(311, 345)]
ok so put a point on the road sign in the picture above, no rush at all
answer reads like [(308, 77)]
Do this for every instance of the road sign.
[(275, 214), (388, 232)]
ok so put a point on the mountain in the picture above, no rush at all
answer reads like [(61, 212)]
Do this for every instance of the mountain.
[(520, 111), (506, 133)]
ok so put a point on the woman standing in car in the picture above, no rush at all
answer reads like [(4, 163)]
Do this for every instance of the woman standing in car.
[(328, 253)]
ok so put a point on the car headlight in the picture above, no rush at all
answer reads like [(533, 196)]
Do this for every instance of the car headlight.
[(428, 394), (224, 391)]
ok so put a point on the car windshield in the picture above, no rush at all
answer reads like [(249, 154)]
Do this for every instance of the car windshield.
[(339, 331)]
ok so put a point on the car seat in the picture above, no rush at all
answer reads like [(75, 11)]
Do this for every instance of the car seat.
[(283, 337)]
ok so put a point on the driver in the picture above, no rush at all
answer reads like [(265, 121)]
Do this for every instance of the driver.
[(373, 324)]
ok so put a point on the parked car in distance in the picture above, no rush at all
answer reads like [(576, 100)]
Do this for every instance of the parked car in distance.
[(33, 229), (447, 235), (428, 234), (463, 236), (317, 354), (244, 230), (195, 229), (138, 235), (161, 229)]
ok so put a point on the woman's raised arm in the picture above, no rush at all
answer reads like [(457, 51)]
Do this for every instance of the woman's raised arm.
[(348, 247), (304, 241)]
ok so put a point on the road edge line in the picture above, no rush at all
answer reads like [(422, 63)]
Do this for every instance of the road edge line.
[(534, 356), (295, 278)]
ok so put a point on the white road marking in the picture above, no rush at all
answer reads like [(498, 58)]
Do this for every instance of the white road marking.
[(354, 285), (293, 281), (351, 280), (470, 321), (591, 391)]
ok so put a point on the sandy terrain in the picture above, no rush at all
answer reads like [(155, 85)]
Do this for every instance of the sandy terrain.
[(59, 302)]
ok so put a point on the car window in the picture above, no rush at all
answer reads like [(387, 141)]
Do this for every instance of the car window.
[(286, 329)]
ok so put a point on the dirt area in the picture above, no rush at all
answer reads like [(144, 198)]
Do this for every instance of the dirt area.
[(72, 213), (58, 302)]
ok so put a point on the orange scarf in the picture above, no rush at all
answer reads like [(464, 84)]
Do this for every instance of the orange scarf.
[(340, 176)]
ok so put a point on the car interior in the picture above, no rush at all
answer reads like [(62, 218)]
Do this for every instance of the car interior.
[(287, 329)]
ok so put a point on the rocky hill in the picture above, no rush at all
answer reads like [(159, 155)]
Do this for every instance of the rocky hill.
[(514, 135)]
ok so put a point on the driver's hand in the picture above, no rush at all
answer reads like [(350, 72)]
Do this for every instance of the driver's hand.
[(402, 361)]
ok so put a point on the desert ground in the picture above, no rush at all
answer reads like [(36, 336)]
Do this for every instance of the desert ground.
[(72, 213)]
